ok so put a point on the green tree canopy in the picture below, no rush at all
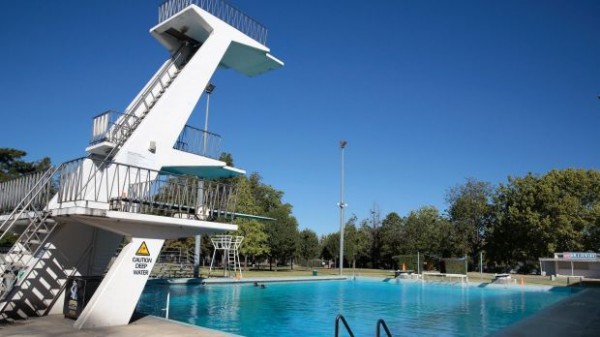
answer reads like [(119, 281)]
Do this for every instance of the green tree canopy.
[(308, 245), (535, 216), (12, 165), (469, 211)]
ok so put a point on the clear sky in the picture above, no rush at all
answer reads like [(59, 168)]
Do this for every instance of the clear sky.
[(427, 93)]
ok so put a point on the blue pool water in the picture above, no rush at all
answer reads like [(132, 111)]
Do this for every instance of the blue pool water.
[(309, 308)]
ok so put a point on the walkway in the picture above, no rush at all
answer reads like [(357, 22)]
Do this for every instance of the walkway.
[(576, 316), (58, 326)]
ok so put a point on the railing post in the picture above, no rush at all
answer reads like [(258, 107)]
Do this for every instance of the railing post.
[(381, 323)]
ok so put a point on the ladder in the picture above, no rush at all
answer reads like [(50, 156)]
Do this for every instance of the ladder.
[(380, 324)]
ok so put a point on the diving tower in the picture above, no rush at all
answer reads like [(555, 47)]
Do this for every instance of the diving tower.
[(148, 176)]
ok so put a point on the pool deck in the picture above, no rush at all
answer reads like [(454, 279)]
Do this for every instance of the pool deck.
[(576, 316), (148, 326)]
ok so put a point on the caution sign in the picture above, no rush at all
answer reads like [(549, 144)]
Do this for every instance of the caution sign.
[(142, 261), (143, 250)]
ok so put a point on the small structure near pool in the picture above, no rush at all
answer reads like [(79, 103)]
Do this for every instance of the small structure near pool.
[(571, 264)]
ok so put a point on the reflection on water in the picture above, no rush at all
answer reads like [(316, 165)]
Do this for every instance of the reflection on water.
[(310, 308)]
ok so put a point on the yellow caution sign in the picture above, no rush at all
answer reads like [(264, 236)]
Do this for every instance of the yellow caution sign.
[(143, 250)]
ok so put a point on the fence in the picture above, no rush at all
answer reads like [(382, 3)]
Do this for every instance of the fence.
[(140, 190), (220, 9)]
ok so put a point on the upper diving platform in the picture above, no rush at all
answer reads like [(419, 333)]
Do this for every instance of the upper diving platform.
[(195, 20)]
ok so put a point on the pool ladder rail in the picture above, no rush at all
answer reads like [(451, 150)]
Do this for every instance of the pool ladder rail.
[(380, 323)]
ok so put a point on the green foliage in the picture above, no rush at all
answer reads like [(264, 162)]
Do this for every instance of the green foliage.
[(535, 216), (9, 239), (469, 213), (12, 166), (408, 260), (393, 238), (330, 246), (308, 245), (454, 266), (255, 238)]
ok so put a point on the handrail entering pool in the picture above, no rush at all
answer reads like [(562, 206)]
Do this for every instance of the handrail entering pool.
[(337, 326), (380, 323)]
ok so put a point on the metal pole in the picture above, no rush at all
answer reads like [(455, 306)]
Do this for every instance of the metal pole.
[(168, 304), (198, 243), (480, 266), (206, 123), (342, 205), (209, 89)]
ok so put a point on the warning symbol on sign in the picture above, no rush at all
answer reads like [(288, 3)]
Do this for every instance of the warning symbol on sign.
[(143, 250)]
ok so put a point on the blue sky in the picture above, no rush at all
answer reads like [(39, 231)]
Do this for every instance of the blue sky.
[(427, 93)]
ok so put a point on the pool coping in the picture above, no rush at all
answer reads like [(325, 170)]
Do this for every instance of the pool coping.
[(228, 280)]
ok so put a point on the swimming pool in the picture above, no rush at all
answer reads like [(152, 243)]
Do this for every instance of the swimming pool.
[(310, 308)]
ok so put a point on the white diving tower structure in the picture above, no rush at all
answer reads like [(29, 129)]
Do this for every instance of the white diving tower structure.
[(147, 177)]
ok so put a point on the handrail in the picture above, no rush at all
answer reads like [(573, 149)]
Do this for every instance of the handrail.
[(200, 142), (337, 326), (27, 200), (221, 9), (130, 112), (133, 189), (381, 323)]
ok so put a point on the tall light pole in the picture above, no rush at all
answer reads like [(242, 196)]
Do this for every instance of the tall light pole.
[(209, 89), (198, 239), (343, 144)]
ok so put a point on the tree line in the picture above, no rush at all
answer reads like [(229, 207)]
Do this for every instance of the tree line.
[(511, 224)]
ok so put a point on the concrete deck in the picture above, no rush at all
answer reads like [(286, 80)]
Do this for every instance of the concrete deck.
[(576, 316), (58, 326)]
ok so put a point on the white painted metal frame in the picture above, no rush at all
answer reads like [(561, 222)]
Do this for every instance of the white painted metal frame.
[(230, 246)]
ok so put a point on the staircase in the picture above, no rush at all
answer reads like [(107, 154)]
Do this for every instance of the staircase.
[(19, 263), (114, 134)]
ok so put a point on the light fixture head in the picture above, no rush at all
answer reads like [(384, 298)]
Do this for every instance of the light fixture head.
[(343, 144), (209, 88)]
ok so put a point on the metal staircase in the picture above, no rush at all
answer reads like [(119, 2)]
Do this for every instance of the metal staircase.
[(118, 133), (17, 264)]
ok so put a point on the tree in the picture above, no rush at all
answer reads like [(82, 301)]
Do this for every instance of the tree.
[(255, 242), (469, 212), (393, 238), (282, 234), (308, 245), (330, 246), (536, 216), (12, 166)]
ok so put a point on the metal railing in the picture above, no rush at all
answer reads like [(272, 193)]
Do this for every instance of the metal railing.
[(221, 9), (134, 189), (381, 323), (116, 127), (112, 126), (200, 142), (337, 326), (176, 255), (13, 191)]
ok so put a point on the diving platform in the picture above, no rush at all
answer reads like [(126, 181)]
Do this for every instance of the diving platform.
[(148, 176)]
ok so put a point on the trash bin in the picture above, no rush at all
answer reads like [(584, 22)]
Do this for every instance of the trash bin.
[(315, 272), (78, 292)]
